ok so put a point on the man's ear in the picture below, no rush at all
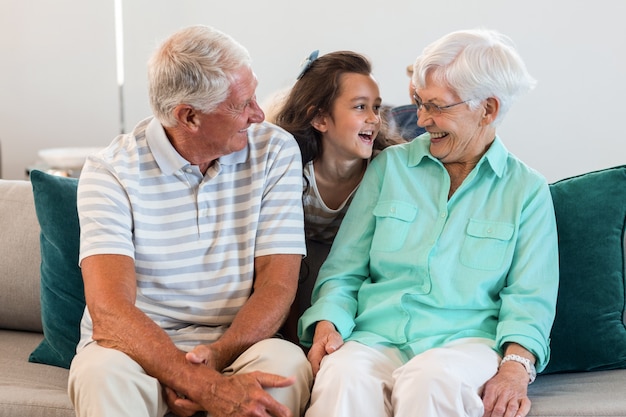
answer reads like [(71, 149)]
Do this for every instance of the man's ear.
[(187, 117), (491, 110)]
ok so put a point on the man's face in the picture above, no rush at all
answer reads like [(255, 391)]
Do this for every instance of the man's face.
[(225, 130)]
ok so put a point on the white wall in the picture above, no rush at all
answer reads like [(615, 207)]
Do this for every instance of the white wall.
[(568, 125), (57, 78)]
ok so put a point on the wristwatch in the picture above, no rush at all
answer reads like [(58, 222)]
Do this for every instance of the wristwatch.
[(530, 368)]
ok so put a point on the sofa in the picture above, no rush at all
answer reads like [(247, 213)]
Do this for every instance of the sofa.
[(41, 298), (26, 388)]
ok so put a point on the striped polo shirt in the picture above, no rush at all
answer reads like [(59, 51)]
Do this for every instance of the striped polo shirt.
[(193, 237)]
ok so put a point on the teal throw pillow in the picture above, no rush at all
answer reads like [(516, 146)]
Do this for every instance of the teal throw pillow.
[(62, 294), (589, 332)]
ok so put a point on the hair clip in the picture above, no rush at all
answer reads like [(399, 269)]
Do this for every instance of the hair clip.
[(307, 62)]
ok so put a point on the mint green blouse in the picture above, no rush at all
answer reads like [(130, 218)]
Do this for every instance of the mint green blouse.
[(412, 269)]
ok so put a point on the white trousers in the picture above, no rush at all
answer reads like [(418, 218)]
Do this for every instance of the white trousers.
[(106, 382), (358, 380)]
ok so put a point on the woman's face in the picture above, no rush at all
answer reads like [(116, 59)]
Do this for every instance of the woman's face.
[(354, 121), (457, 134)]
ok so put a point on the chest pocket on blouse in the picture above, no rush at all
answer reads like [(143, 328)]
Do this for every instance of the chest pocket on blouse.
[(393, 219), (485, 244)]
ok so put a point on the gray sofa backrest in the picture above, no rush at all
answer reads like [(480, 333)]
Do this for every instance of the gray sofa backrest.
[(20, 258)]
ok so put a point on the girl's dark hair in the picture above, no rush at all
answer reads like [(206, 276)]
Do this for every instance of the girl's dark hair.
[(314, 93)]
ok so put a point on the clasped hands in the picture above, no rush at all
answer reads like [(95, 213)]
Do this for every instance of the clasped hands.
[(235, 395)]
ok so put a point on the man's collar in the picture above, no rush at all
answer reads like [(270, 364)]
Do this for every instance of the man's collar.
[(167, 157), (236, 157)]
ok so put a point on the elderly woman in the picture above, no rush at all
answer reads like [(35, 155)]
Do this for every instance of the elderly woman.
[(439, 292)]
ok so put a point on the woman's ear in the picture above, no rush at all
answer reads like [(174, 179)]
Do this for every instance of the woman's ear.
[(491, 110)]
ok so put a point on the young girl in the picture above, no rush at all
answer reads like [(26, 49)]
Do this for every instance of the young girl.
[(333, 111)]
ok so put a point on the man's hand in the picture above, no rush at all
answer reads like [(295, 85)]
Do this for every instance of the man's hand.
[(234, 396), (179, 405), (244, 395), (325, 341), (506, 394), (203, 354)]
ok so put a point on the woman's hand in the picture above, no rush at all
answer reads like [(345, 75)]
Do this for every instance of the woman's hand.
[(506, 394), (325, 341)]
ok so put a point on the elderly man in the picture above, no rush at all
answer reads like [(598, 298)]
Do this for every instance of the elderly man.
[(191, 241)]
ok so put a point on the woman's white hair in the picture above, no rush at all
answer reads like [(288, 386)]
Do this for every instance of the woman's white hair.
[(476, 64), (193, 67)]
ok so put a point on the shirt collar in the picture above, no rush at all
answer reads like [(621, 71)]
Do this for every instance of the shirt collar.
[(170, 161), (496, 156)]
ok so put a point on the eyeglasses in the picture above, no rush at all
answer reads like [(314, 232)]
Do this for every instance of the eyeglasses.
[(433, 108)]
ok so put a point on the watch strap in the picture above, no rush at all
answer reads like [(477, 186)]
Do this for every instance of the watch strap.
[(530, 368)]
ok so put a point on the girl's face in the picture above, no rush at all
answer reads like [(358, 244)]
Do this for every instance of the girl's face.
[(354, 121)]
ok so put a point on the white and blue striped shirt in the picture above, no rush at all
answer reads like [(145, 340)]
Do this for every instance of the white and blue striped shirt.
[(193, 238)]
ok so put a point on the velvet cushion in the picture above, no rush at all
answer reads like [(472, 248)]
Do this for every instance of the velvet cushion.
[(589, 332), (62, 294)]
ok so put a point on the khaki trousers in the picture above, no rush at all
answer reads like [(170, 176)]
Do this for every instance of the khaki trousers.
[(106, 382)]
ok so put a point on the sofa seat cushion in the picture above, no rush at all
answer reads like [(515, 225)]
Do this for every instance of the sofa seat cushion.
[(30, 389), (580, 394)]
